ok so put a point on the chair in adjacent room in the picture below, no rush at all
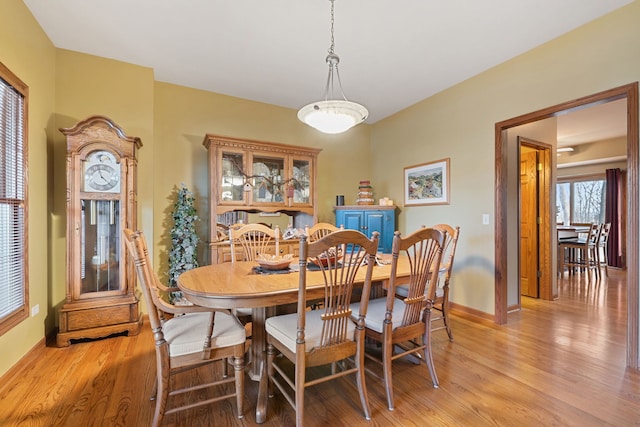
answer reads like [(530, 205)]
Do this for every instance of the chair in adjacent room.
[(254, 239), (405, 322), (331, 337), (319, 230), (580, 254), (602, 251), (191, 337)]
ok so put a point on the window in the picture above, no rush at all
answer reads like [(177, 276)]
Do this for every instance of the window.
[(580, 200), (14, 296)]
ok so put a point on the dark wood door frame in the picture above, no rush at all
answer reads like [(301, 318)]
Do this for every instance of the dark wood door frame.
[(502, 260)]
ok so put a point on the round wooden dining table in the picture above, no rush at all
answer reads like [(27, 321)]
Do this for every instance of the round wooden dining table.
[(241, 285)]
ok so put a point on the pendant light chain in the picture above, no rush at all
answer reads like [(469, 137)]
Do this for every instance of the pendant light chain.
[(333, 115), (331, 48)]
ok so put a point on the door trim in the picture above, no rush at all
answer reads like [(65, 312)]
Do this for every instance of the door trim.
[(503, 262)]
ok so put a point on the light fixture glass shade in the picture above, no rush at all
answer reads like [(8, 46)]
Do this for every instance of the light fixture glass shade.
[(333, 116)]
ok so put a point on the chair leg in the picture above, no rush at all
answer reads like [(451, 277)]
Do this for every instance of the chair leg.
[(427, 348), (225, 368), (605, 261), (238, 367), (445, 318), (387, 356), (271, 353), (154, 391), (299, 393), (445, 310), (162, 395), (360, 373)]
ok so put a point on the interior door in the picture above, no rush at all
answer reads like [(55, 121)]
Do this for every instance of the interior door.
[(529, 261)]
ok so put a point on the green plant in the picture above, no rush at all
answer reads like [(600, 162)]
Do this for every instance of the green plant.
[(183, 255)]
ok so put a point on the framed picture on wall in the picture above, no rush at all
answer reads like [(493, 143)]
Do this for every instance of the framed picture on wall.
[(427, 183)]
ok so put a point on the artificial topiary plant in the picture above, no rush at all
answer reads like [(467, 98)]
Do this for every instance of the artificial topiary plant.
[(184, 240)]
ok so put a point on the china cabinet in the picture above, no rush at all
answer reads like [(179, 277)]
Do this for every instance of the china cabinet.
[(368, 219), (257, 176), (101, 202)]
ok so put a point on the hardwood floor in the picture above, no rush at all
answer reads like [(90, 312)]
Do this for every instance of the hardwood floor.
[(555, 363)]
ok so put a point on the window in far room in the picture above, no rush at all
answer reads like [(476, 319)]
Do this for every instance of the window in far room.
[(14, 296), (580, 199)]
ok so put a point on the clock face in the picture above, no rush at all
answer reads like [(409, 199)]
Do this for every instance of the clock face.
[(101, 173)]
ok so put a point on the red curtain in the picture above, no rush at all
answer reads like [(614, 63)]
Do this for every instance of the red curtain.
[(614, 199)]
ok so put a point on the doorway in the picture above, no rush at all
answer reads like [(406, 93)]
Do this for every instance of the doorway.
[(507, 261)]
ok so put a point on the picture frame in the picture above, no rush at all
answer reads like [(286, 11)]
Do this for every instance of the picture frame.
[(427, 183)]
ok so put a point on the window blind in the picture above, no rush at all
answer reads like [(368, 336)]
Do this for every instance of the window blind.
[(13, 296)]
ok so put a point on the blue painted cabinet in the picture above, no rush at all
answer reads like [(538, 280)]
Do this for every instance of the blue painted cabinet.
[(370, 218)]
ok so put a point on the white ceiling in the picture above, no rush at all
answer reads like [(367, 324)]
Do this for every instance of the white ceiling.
[(393, 54), (603, 121)]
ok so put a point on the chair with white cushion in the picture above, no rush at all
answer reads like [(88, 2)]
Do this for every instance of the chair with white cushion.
[(404, 322), (191, 337), (441, 303), (331, 337)]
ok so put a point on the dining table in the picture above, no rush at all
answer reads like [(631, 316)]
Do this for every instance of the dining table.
[(243, 284)]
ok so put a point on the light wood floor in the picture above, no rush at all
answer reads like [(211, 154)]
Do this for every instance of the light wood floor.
[(556, 363)]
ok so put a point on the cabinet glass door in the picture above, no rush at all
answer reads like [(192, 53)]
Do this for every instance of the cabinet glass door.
[(269, 179), (301, 179), (232, 180), (99, 246)]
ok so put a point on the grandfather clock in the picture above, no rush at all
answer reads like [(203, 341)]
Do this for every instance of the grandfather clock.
[(101, 202)]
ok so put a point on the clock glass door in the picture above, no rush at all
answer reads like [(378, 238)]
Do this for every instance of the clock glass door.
[(100, 246)]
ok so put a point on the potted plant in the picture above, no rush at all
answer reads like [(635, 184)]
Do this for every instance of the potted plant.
[(183, 255)]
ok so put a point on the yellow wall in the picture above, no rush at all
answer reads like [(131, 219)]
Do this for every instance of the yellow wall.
[(182, 118), (457, 123), (28, 53)]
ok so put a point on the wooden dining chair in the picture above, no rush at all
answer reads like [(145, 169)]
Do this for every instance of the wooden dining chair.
[(254, 239), (580, 253), (328, 335), (404, 323), (319, 230), (441, 302), (222, 232), (602, 251), (190, 337)]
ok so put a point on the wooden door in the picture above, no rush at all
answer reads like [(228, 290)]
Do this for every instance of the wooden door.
[(528, 222)]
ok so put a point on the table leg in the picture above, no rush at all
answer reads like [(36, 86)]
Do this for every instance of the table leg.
[(263, 387), (257, 371), (258, 339)]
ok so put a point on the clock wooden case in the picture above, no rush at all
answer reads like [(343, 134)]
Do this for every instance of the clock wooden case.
[(101, 202)]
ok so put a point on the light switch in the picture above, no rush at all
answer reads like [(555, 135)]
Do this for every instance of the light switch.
[(485, 219)]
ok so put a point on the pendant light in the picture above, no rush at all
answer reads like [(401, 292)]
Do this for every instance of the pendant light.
[(333, 115)]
